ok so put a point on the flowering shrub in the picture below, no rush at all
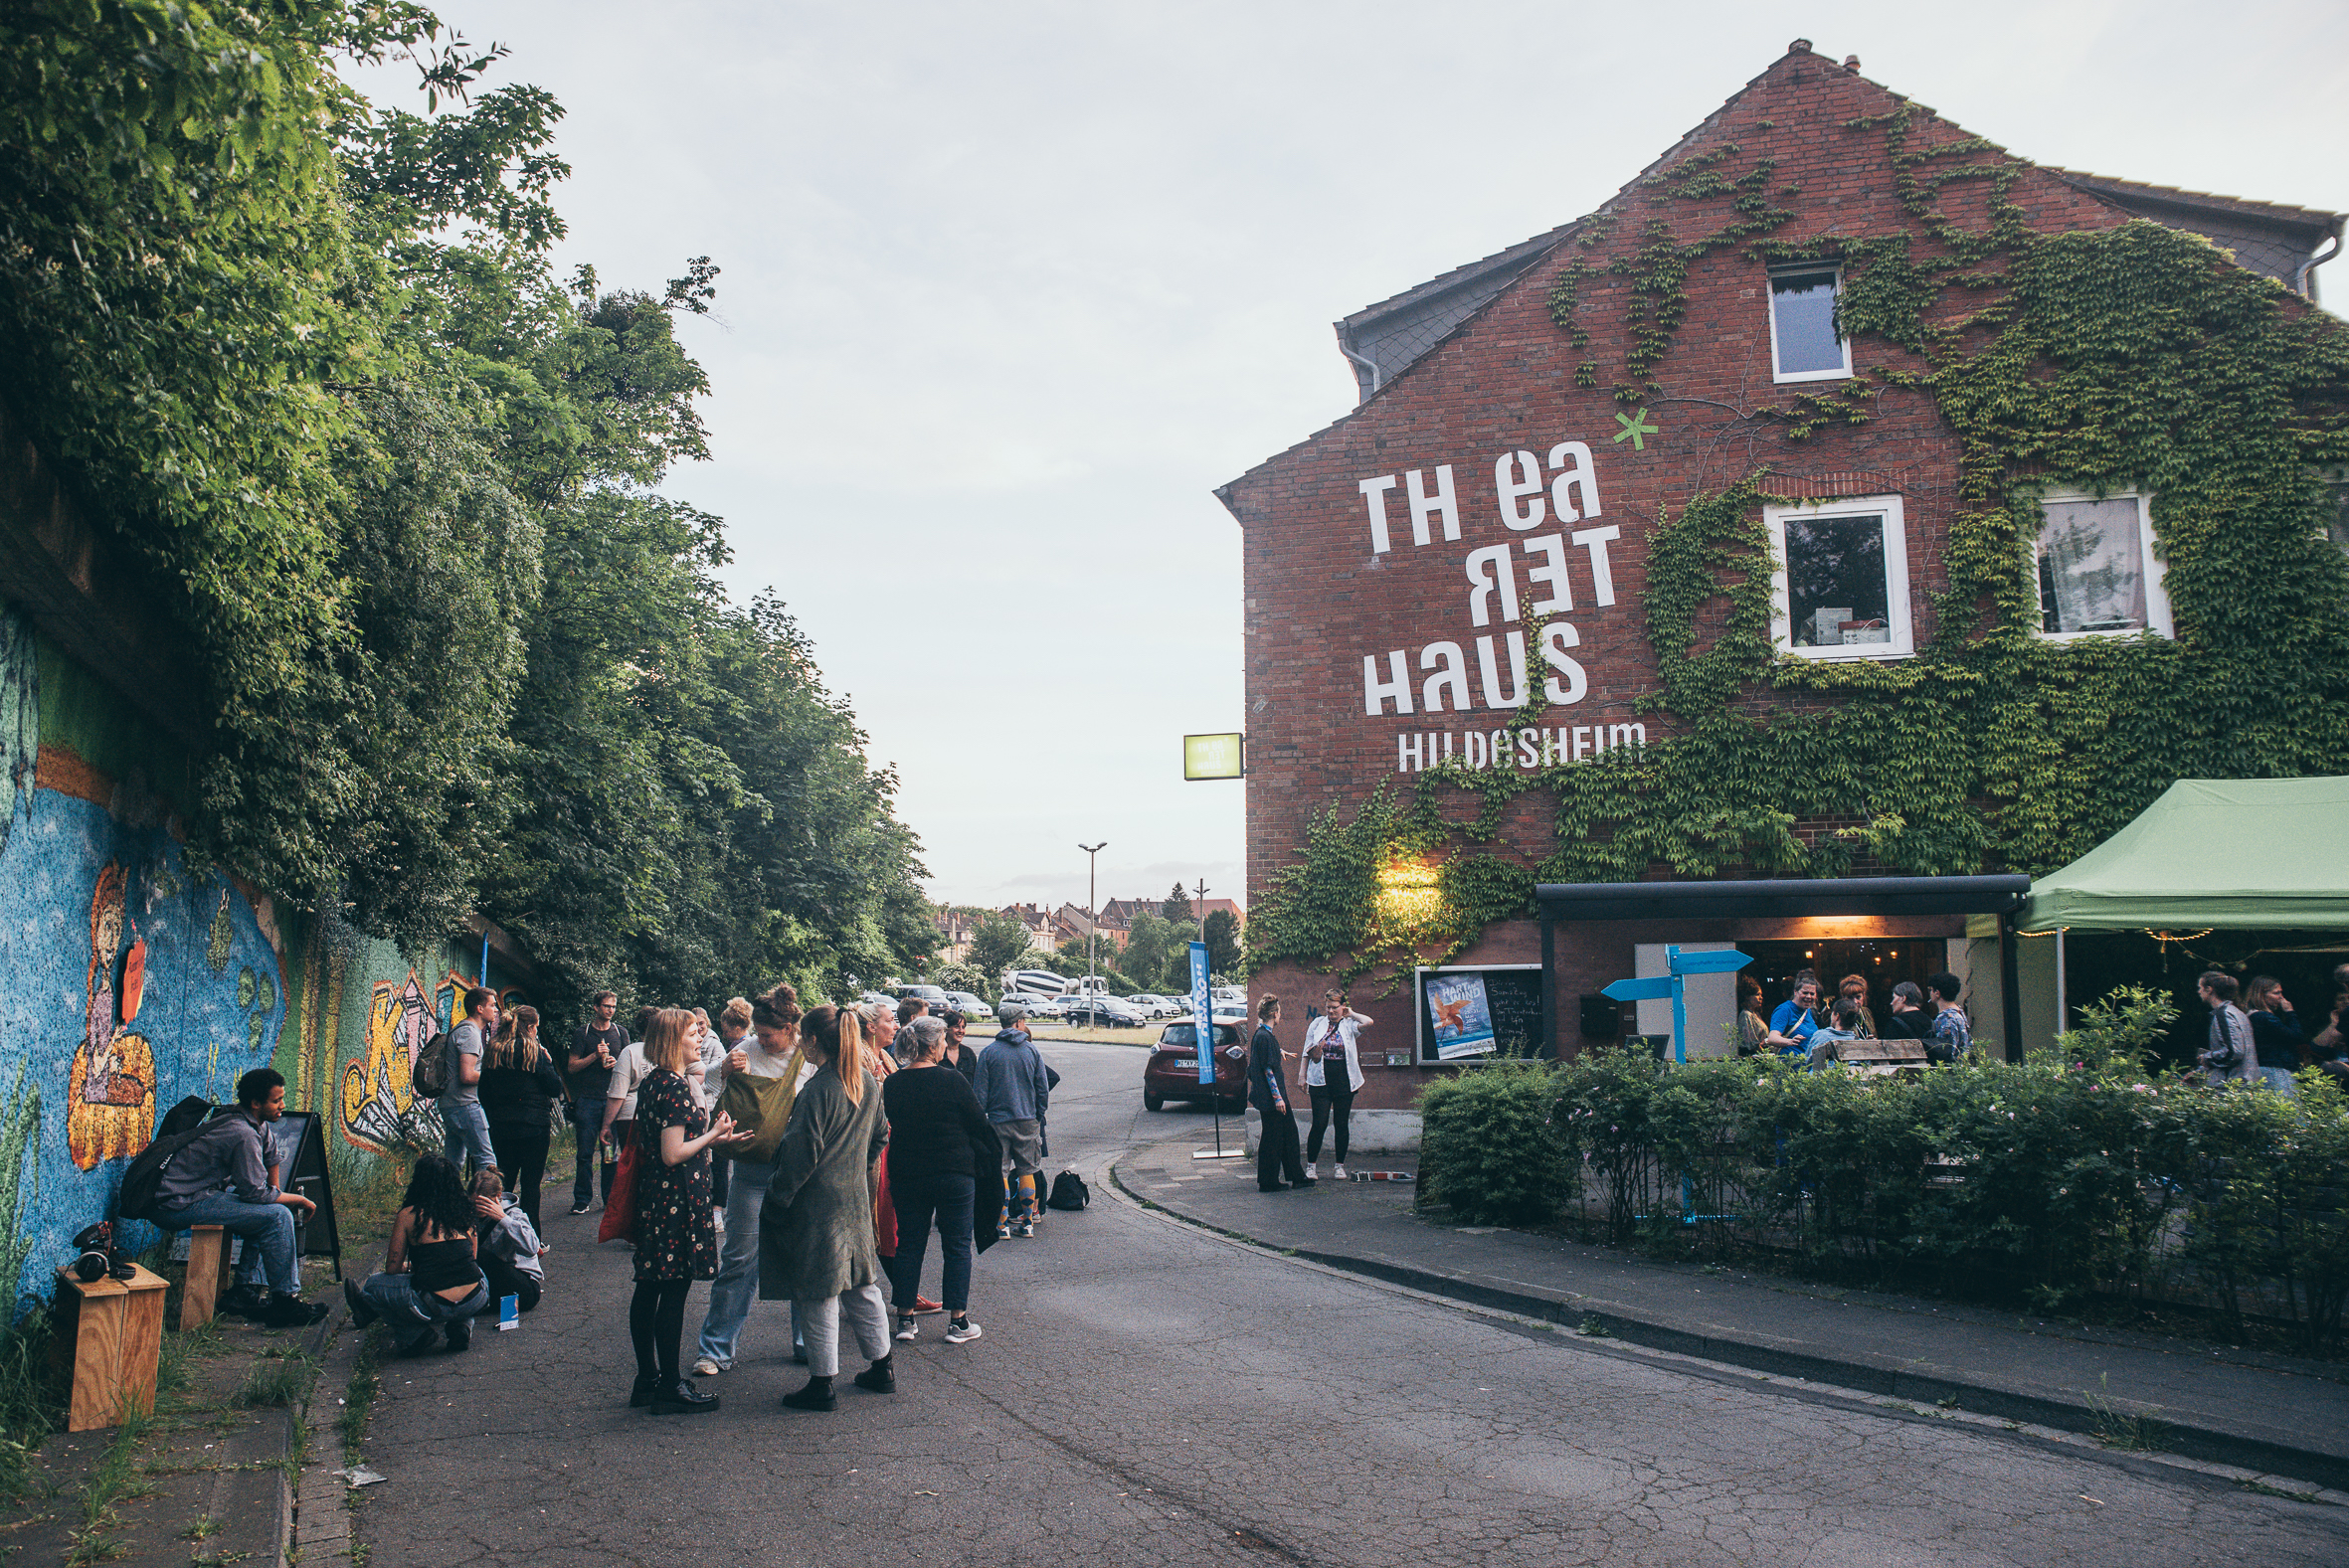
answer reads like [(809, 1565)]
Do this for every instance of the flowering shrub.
[(2038, 1182)]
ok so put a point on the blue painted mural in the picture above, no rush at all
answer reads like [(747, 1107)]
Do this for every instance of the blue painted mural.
[(125, 984)]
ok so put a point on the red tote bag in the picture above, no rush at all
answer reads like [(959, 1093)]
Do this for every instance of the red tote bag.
[(620, 1209)]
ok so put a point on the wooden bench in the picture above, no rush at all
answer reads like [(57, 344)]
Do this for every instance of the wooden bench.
[(113, 1331), (1881, 1058), (208, 1273)]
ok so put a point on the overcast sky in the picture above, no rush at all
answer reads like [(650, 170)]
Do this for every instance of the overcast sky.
[(1009, 288)]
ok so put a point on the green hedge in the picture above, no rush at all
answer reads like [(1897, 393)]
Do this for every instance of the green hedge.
[(2042, 1182)]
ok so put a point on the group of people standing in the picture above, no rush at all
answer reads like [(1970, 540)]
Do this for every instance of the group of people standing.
[(827, 1146), (2257, 1036), (1333, 1073), (1801, 1027)]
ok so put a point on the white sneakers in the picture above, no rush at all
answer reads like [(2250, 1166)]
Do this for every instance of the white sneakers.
[(907, 1330), (1312, 1171), (1341, 1172), (960, 1333), (705, 1367)]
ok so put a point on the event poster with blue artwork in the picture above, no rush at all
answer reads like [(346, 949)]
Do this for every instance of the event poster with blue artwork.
[(1462, 1015)]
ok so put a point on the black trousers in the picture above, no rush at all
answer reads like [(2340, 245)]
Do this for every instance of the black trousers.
[(1276, 1149), (1333, 1106), (506, 1280), (521, 1156)]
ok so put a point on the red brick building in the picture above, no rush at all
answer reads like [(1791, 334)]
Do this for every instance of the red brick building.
[(1476, 536)]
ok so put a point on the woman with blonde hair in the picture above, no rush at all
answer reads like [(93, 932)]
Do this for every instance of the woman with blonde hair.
[(815, 1230), (677, 1243), (769, 1050), (520, 1088)]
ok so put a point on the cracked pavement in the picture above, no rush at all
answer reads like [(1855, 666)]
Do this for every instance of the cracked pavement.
[(1148, 1393)]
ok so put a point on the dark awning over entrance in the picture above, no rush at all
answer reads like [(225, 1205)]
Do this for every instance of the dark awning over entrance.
[(1572, 900)]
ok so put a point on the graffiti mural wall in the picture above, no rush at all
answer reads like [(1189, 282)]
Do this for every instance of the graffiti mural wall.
[(128, 982)]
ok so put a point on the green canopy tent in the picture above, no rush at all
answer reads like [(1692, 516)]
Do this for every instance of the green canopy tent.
[(2234, 853)]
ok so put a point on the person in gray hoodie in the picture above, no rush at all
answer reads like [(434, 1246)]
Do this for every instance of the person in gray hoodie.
[(506, 1245), (1013, 1089)]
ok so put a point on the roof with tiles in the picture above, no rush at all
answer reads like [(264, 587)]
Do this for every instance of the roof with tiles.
[(2276, 239)]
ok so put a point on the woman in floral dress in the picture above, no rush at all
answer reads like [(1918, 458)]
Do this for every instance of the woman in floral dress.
[(676, 1241)]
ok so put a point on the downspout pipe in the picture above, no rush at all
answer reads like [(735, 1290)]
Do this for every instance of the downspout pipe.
[(1368, 367), (2302, 284)]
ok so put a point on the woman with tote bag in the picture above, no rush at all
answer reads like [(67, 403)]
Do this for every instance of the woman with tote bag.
[(762, 1076)]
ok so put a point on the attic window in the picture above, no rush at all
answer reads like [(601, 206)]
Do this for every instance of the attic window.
[(1804, 344), (2098, 573)]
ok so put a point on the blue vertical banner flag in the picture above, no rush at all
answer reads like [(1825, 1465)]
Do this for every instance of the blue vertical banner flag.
[(1202, 1012)]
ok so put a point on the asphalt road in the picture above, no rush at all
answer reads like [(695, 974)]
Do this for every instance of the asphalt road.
[(1150, 1394)]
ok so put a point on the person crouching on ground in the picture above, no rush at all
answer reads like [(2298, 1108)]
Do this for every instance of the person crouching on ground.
[(938, 1144), (431, 1279), (815, 1230), (768, 1053), (676, 1241), (228, 1176), (505, 1244), (1013, 1088)]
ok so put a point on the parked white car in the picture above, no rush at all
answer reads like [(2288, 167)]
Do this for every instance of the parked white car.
[(1153, 1005), (970, 1006), (1037, 1006), (1233, 995)]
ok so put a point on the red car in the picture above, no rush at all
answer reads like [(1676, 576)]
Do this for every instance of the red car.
[(1172, 1072)]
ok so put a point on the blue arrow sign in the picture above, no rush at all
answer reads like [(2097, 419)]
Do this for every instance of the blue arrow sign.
[(1657, 987), (1641, 991)]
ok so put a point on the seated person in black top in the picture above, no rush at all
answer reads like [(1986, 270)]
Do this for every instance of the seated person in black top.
[(429, 1279)]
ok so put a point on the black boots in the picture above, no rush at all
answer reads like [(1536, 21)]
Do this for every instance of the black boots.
[(678, 1397), (290, 1311), (362, 1314), (818, 1395), (246, 1300), (880, 1377)]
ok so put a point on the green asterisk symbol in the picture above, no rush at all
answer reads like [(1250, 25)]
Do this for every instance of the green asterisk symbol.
[(1637, 429)]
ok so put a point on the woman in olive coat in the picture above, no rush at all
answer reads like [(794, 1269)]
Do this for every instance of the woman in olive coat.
[(815, 1229)]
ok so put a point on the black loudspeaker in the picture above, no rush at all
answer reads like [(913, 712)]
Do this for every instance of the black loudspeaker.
[(1601, 1017)]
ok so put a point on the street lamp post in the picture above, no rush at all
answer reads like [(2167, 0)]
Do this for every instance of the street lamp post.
[(1092, 887)]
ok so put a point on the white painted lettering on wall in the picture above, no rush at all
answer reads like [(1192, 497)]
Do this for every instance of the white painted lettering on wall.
[(1514, 585)]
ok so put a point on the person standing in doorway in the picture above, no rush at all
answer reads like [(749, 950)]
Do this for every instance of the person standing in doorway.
[(677, 1243), (1797, 1018), (1277, 1153), (1333, 1077), (593, 1049), (771, 1050), (465, 1131), (1949, 1037), (520, 1089)]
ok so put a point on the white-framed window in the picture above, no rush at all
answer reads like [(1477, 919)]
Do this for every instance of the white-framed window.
[(1839, 589), (2099, 575), (1804, 342)]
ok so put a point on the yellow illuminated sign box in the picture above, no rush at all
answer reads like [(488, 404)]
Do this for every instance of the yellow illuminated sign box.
[(1214, 756)]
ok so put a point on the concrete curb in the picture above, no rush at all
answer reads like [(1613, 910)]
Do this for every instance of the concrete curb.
[(2192, 1442)]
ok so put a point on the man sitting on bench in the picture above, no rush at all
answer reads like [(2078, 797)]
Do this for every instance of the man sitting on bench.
[(227, 1175)]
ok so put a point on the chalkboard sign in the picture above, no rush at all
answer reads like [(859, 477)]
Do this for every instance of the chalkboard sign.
[(1482, 1014)]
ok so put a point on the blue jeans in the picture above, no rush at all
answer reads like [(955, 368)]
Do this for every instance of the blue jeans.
[(586, 1130), (947, 1200), (268, 1229), (412, 1314), (737, 1284), (464, 1134)]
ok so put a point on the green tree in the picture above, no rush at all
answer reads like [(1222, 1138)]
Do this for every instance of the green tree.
[(997, 945), (1223, 938), (1176, 906)]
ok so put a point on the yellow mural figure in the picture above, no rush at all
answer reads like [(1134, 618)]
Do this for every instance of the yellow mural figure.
[(375, 1093), (110, 1089)]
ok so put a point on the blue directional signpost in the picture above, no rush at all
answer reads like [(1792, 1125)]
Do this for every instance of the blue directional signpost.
[(1716, 962), (1202, 1017)]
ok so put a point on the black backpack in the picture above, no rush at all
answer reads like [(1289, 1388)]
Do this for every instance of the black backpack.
[(428, 1077), (144, 1180), (1068, 1193)]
